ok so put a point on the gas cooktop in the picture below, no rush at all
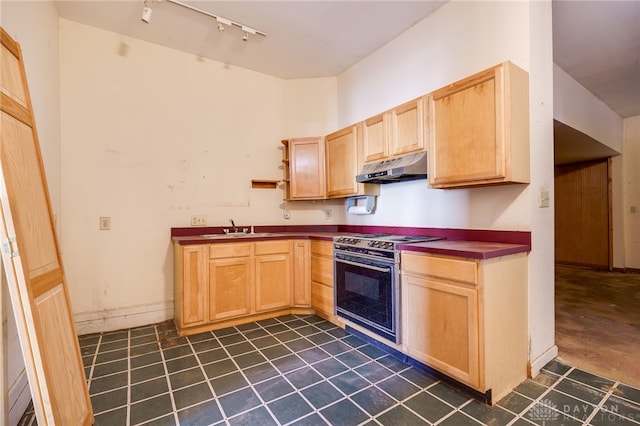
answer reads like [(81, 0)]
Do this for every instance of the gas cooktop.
[(387, 241)]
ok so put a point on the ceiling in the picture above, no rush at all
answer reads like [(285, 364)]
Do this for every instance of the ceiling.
[(305, 39), (598, 44), (595, 42)]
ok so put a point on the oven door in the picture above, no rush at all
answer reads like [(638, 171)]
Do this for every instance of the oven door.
[(366, 293)]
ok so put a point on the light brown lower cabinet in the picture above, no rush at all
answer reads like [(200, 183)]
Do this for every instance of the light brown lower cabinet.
[(218, 285), (273, 274), (191, 285), (230, 281), (322, 292), (302, 273), (467, 318)]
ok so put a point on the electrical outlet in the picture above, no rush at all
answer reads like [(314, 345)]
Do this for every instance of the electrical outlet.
[(287, 214), (198, 220), (105, 223), (328, 213)]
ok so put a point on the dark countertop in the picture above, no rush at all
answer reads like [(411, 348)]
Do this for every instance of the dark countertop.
[(259, 236), (499, 243), (470, 249)]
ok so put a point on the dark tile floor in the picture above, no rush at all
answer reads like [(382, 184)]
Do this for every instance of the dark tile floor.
[(302, 370)]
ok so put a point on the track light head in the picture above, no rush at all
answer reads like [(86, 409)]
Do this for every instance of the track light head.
[(146, 14), (246, 31), (222, 22)]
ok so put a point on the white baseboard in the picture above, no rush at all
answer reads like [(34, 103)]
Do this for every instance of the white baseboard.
[(118, 319), (536, 365), (19, 398)]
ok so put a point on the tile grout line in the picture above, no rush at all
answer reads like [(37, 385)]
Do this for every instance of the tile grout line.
[(536, 401), (268, 361), (553, 387), (604, 399), (307, 365), (206, 379), (310, 365), (166, 375), (610, 392), (129, 384)]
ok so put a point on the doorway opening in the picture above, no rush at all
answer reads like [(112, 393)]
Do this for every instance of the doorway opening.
[(597, 322)]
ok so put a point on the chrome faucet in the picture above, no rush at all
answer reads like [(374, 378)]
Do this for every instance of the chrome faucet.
[(235, 228)]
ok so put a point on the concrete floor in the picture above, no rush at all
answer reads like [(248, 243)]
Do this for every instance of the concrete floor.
[(598, 322)]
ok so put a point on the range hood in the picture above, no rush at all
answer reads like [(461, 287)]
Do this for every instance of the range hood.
[(399, 169)]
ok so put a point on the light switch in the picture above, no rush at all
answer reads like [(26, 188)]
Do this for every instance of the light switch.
[(105, 223), (544, 198)]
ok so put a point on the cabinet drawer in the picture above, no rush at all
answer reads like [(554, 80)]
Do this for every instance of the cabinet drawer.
[(322, 298), (322, 248), (220, 251), (441, 267), (322, 271), (272, 247)]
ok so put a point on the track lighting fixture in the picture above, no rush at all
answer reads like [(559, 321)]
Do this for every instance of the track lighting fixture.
[(146, 13), (246, 31), (223, 23)]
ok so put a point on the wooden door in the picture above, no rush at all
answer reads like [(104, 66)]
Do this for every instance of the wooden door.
[(375, 136), (230, 287), (273, 281), (582, 214), (407, 128), (301, 273), (444, 332), (191, 285), (32, 261), (307, 174), (467, 130), (342, 162), (273, 271)]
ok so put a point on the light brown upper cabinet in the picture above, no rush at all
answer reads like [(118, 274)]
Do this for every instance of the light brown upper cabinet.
[(479, 129), (375, 136), (343, 151), (304, 168), (396, 132)]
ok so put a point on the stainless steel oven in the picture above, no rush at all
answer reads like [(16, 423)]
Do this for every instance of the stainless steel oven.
[(367, 290)]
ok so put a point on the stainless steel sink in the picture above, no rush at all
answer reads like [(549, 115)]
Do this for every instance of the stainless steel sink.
[(235, 235)]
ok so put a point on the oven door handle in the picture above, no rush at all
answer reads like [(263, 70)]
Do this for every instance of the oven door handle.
[(363, 265)]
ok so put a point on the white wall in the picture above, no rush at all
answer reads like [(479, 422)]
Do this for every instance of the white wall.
[(578, 108), (459, 39), (631, 191), (35, 26), (152, 136)]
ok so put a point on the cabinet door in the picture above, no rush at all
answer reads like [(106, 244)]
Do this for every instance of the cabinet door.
[(230, 287), (194, 283), (301, 273), (375, 135), (440, 327), (407, 128), (468, 141), (342, 162), (273, 281), (479, 129), (306, 169)]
